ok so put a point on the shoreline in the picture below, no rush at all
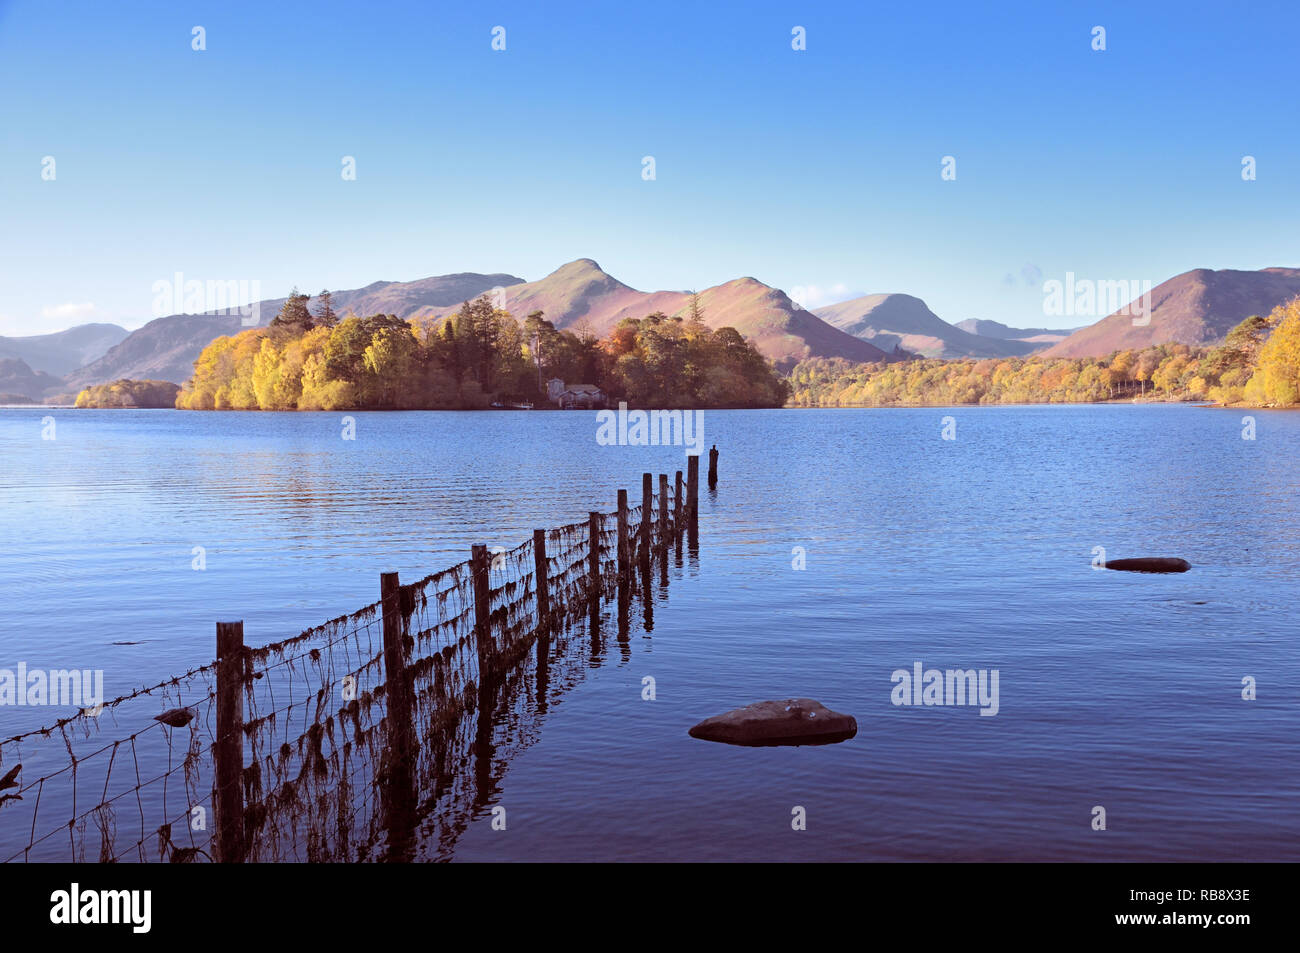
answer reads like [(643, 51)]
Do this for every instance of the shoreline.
[(1201, 404), (1205, 405)]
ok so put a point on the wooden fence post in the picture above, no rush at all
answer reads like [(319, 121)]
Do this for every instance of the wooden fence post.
[(693, 486), (647, 508), (397, 792), (399, 702), (622, 535), (713, 466), (663, 510), (541, 581), (482, 609), (593, 558), (228, 752), (677, 505)]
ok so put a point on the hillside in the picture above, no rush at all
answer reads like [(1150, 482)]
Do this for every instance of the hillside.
[(578, 295), (581, 296), (16, 378), (63, 351), (166, 348), (1196, 307), (1039, 337), (898, 320)]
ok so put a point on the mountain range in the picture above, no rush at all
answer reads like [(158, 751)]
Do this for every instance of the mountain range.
[(166, 348), (63, 351), (1038, 337), (901, 321), (576, 295), (1195, 307)]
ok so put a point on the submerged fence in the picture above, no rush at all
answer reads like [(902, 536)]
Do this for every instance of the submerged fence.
[(371, 737)]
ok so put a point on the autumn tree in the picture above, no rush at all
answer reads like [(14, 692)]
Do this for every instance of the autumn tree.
[(1277, 378)]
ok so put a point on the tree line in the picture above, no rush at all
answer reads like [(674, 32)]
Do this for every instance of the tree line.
[(1257, 364), (315, 360), (129, 393)]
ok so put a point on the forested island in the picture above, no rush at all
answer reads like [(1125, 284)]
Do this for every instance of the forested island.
[(129, 393), (1258, 364), (481, 355)]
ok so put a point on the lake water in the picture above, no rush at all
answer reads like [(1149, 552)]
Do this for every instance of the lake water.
[(1115, 690)]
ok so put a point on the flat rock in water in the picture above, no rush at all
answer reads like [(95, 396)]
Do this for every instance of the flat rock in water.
[(1150, 564), (794, 721)]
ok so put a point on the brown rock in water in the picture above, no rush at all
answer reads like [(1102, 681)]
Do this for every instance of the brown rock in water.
[(1150, 564), (794, 721)]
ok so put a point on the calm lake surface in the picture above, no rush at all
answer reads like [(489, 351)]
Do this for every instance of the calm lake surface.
[(1115, 689)]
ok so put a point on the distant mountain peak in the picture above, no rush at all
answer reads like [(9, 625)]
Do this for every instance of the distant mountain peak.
[(1199, 306), (896, 321), (63, 351), (581, 266), (577, 294)]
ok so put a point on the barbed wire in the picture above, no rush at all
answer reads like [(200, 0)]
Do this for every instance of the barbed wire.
[(323, 775)]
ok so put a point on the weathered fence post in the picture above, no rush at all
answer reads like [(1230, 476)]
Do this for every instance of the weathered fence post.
[(593, 577), (399, 702), (228, 752), (663, 510), (692, 486), (397, 794), (622, 535), (647, 509), (482, 609), (593, 558), (677, 505), (541, 581), (713, 466)]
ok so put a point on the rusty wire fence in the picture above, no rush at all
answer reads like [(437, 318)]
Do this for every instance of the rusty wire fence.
[(374, 736)]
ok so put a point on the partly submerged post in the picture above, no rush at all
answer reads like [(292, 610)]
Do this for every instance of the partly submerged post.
[(397, 793), (593, 578), (713, 466), (228, 752), (593, 557), (647, 510), (692, 486), (541, 582), (663, 509), (622, 535), (677, 505), (399, 702), (482, 608)]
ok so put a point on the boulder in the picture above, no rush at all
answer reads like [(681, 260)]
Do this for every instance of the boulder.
[(1150, 564), (794, 721)]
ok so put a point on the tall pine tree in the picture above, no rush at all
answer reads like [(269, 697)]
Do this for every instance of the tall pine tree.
[(294, 316), (325, 314)]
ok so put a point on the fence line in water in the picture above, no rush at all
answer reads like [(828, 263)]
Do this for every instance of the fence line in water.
[(352, 740)]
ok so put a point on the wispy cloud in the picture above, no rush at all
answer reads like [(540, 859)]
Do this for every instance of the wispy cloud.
[(809, 297), (70, 310)]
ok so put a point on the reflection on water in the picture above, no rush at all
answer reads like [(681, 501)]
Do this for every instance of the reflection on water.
[(1116, 690)]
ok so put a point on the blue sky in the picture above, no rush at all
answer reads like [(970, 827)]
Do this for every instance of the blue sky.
[(813, 169)]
